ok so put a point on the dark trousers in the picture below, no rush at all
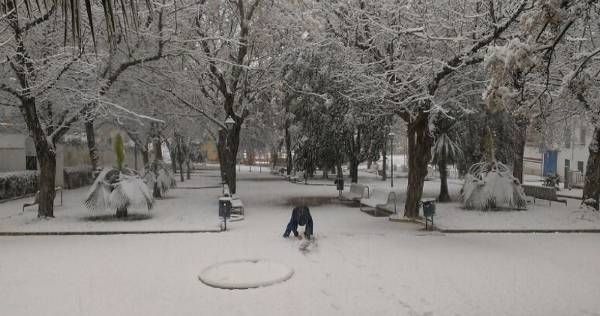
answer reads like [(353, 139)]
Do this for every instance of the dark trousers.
[(300, 217)]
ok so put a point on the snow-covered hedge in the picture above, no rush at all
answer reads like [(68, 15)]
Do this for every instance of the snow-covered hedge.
[(16, 184), (76, 177)]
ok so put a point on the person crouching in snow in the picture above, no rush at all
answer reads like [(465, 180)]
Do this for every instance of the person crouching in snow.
[(300, 217)]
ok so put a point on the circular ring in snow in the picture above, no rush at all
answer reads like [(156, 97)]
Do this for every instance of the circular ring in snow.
[(245, 274)]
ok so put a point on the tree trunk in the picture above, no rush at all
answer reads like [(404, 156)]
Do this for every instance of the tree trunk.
[(122, 212), (419, 155), (353, 170), (91, 143), (145, 158), (174, 156), (46, 156), (227, 148), (156, 141), (288, 149), (591, 188), (47, 160), (135, 156), (520, 141), (444, 195), (189, 169), (274, 157), (354, 152), (384, 164), (181, 171)]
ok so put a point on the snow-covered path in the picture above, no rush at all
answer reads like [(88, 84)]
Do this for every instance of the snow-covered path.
[(360, 265)]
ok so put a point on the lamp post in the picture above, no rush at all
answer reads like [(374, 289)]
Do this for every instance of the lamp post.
[(225, 202), (229, 123), (391, 135)]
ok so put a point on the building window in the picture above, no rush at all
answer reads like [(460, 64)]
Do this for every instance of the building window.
[(582, 136), (580, 166), (567, 164)]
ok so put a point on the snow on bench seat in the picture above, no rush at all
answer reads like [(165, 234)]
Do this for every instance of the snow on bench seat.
[(298, 177), (380, 199), (356, 193), (236, 203)]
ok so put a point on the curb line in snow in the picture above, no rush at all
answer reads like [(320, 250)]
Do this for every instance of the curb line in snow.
[(197, 188), (141, 232), (519, 231)]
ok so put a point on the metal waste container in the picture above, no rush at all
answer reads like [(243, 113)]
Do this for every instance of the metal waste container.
[(428, 208), (225, 207)]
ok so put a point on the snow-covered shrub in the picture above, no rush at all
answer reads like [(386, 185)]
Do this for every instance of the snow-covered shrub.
[(489, 186), (159, 178), (590, 204), (118, 190), (16, 184)]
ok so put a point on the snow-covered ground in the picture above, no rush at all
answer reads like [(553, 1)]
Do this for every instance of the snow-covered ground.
[(193, 205), (359, 265)]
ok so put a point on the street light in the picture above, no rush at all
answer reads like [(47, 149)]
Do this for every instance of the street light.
[(229, 122), (391, 135)]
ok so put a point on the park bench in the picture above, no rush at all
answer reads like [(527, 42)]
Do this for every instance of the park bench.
[(298, 177), (237, 207), (542, 193), (380, 200), (356, 193), (36, 199)]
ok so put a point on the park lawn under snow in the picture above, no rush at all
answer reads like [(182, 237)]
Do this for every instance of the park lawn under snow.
[(190, 206), (543, 215), (359, 265), (539, 216)]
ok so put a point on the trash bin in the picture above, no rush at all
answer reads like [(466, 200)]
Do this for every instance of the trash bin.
[(428, 208), (428, 211), (225, 207)]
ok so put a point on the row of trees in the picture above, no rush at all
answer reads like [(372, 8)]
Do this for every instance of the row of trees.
[(323, 78), (453, 68)]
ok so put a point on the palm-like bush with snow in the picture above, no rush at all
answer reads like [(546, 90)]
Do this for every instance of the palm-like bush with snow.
[(490, 186), (118, 190), (159, 178)]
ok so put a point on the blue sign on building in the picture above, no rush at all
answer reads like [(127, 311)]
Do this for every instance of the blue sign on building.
[(550, 162)]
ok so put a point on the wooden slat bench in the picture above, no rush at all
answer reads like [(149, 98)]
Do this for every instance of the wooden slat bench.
[(542, 193)]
